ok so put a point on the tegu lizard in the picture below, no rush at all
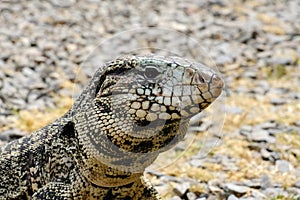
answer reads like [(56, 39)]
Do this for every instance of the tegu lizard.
[(133, 109)]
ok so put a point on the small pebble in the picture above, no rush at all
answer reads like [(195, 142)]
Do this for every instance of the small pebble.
[(283, 166), (238, 189), (232, 197)]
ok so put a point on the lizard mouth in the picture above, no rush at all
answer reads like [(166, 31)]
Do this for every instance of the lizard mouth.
[(177, 106)]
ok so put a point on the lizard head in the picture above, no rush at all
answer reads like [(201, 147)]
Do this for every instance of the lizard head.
[(143, 106), (149, 100)]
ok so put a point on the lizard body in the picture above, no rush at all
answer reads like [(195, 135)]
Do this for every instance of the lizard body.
[(133, 109)]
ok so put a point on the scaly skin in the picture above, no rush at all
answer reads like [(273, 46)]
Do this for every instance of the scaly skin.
[(133, 109)]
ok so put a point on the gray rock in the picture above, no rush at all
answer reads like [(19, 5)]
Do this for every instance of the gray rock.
[(242, 90), (264, 54), (181, 188), (261, 136), (246, 128), (294, 95), (174, 198), (278, 102), (197, 162), (277, 38), (170, 178), (233, 110), (283, 56), (297, 183), (248, 198), (162, 188), (191, 196), (21, 60), (280, 91), (258, 91), (95, 1), (254, 183), (204, 198), (237, 189), (223, 59), (11, 134), (297, 123), (293, 191), (210, 197), (264, 85), (265, 181), (256, 194), (8, 89), (268, 154), (63, 3), (283, 166), (17, 104), (267, 125), (253, 74), (214, 186), (232, 197), (203, 126)]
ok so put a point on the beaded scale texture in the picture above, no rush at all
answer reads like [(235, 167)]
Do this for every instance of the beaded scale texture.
[(133, 109)]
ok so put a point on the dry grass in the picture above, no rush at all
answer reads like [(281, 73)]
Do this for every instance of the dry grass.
[(31, 120)]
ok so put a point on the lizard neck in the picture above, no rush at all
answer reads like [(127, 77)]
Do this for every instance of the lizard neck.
[(109, 167), (104, 176)]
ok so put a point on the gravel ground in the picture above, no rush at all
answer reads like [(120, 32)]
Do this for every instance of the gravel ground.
[(49, 46)]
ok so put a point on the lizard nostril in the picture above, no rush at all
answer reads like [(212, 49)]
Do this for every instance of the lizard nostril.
[(198, 78), (201, 78)]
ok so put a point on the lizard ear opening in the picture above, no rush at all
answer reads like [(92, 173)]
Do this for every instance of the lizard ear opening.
[(110, 78), (117, 70), (98, 86), (68, 130)]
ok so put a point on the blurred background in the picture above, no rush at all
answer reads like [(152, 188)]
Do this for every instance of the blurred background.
[(50, 49)]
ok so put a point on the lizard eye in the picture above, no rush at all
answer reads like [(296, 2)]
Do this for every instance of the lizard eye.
[(151, 72)]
